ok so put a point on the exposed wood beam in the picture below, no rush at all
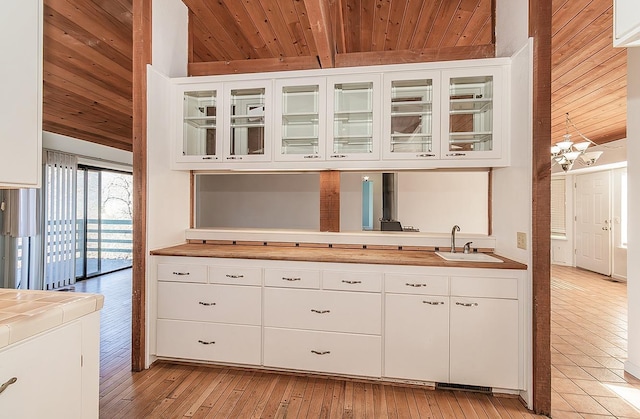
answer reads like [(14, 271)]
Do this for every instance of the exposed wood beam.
[(330, 201), (540, 12), (90, 136), (341, 42), (141, 57), (319, 14), (253, 66), (415, 56)]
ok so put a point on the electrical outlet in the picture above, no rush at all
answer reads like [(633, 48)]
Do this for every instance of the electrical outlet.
[(522, 240)]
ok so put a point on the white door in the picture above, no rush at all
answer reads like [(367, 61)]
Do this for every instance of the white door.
[(593, 222)]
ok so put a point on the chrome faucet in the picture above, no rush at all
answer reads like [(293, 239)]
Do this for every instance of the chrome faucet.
[(453, 237)]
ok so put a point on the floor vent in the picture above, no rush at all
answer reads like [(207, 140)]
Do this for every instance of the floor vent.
[(464, 387)]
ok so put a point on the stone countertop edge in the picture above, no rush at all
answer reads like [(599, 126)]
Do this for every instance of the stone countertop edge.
[(331, 255), (26, 313)]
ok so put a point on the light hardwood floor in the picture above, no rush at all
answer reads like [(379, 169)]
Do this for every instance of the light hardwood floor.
[(589, 334)]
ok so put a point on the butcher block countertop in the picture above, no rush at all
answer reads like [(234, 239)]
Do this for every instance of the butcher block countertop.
[(328, 254), (25, 313)]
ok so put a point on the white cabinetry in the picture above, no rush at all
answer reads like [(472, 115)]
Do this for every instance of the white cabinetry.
[(427, 324), (417, 327), (626, 23), (484, 332), (322, 330), (472, 111), (354, 116), (300, 119), (59, 386), (21, 86), (209, 321), (411, 127)]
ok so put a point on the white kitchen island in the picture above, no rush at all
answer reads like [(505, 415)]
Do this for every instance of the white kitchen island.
[(49, 354)]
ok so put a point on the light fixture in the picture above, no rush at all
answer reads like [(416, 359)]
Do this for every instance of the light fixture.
[(566, 152)]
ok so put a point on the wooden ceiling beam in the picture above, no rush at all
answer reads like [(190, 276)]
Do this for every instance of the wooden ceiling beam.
[(320, 19), (253, 66), (91, 137), (338, 30), (413, 56), (60, 120)]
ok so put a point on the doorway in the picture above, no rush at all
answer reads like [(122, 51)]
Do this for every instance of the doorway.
[(104, 215), (593, 222)]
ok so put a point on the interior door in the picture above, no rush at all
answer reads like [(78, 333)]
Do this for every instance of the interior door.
[(593, 222)]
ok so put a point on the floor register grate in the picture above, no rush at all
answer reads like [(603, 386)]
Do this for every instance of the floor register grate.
[(465, 387)]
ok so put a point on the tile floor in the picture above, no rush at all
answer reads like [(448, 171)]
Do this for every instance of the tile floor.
[(589, 347)]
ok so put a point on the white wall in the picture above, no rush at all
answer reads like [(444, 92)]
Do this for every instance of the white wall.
[(168, 191), (89, 153), (436, 201), (633, 171), (284, 201), (512, 26)]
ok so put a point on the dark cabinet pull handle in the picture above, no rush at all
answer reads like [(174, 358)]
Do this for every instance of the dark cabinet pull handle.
[(204, 342), (290, 279), (320, 311), (4, 386), (415, 285), (320, 352), (234, 276), (202, 303), (181, 273), (467, 304), (351, 282)]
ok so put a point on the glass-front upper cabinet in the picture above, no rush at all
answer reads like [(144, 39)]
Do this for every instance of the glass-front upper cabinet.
[(249, 122), (198, 127), (354, 117), (300, 115), (410, 130), (471, 119)]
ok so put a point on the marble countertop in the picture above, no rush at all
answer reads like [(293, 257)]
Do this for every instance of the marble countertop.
[(25, 313)]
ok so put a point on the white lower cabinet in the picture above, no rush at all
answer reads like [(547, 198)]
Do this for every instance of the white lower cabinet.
[(341, 353), (62, 385), (484, 342), (219, 342), (332, 311), (417, 337), (428, 324)]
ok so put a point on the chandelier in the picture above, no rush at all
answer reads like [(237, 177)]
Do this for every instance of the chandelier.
[(566, 152)]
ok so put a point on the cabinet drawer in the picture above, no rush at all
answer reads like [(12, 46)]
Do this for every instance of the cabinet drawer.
[(182, 273), (209, 303), (291, 278), (340, 353), (484, 287), (352, 281), (416, 284), (323, 310), (235, 275), (209, 341)]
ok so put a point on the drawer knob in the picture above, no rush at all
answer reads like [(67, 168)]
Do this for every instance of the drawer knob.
[(467, 304), (181, 273), (234, 276), (433, 303), (321, 352), (290, 279), (415, 285), (202, 303), (4, 386), (204, 342), (351, 282), (320, 311)]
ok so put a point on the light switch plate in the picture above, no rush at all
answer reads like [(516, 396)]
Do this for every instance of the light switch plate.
[(522, 240)]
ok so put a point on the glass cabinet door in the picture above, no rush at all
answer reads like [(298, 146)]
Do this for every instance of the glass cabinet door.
[(300, 112), (199, 125), (410, 130), (471, 112), (248, 133), (355, 118)]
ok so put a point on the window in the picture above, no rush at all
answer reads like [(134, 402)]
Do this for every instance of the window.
[(558, 207)]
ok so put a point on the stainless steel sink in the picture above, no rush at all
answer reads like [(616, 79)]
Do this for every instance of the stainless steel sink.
[(467, 257)]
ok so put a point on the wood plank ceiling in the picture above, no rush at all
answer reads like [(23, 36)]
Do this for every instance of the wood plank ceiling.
[(88, 47), (87, 70)]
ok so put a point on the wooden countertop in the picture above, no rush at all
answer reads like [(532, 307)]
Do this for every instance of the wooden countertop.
[(327, 254), (25, 313)]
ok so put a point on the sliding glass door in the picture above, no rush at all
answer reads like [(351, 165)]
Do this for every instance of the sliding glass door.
[(104, 221)]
